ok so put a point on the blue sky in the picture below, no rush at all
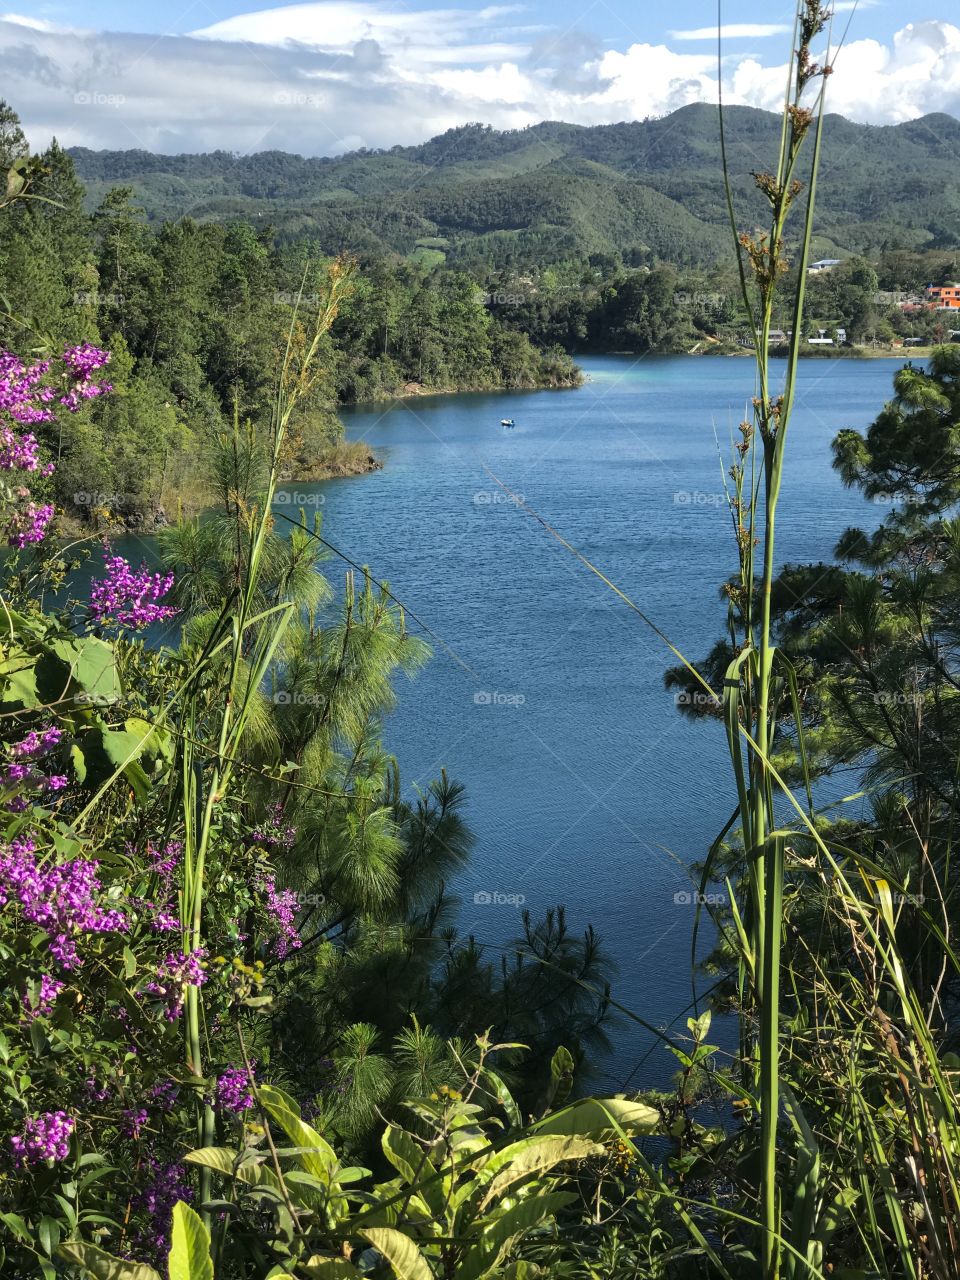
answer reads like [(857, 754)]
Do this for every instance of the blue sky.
[(324, 76)]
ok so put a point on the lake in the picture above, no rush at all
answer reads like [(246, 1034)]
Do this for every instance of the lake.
[(585, 784)]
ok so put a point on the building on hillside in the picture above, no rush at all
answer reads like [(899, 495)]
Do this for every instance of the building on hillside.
[(825, 264), (822, 340), (778, 337), (944, 297)]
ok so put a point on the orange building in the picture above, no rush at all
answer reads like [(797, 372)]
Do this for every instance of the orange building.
[(945, 297)]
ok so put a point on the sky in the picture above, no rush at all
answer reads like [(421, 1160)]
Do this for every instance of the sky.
[(328, 77)]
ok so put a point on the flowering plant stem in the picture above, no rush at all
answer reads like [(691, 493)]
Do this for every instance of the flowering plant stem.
[(251, 648), (749, 694)]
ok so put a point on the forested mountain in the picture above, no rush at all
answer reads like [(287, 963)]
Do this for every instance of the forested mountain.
[(644, 191)]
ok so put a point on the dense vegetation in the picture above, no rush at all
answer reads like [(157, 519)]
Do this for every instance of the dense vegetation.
[(240, 1038), (195, 314), (642, 191)]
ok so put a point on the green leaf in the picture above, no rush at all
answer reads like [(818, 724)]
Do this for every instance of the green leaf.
[(49, 1235), (504, 1097), (481, 1258), (320, 1159), (595, 1117), (404, 1154), (223, 1160), (561, 1077), (16, 1224), (328, 1268), (532, 1156), (405, 1258), (129, 963), (18, 681), (104, 1266), (92, 665), (189, 1257)]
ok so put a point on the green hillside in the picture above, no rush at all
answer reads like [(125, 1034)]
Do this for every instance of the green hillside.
[(647, 190)]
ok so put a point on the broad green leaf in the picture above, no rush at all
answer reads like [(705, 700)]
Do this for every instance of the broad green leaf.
[(328, 1268), (482, 1257), (16, 1224), (18, 681), (595, 1117), (403, 1153), (320, 1158), (503, 1096), (532, 1156), (223, 1160), (561, 1076), (49, 1235), (104, 1266), (92, 666), (400, 1251), (189, 1257)]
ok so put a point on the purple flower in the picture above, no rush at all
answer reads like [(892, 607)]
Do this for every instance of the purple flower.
[(128, 598), (62, 899), (28, 524), (165, 1185), (232, 1092), (42, 1004), (134, 1118), (165, 1094), (281, 905), (44, 1137), (175, 972)]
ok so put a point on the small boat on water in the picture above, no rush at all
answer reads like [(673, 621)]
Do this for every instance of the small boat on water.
[(507, 422)]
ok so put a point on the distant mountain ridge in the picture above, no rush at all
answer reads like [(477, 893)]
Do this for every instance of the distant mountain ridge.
[(646, 190)]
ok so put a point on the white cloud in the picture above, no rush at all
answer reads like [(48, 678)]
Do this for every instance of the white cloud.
[(321, 78), (734, 31)]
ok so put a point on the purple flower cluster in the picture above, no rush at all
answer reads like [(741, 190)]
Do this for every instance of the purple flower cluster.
[(166, 1184), (232, 1092), (21, 775), (274, 833), (134, 1118), (41, 1006), (128, 597), (163, 862), (37, 742), (26, 399), (164, 1095), (281, 905), (44, 1137), (61, 899), (175, 972), (28, 524)]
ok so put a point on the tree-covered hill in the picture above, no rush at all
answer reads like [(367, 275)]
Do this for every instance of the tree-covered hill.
[(646, 190)]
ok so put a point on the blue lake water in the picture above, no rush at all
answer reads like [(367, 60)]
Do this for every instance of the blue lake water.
[(585, 785)]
